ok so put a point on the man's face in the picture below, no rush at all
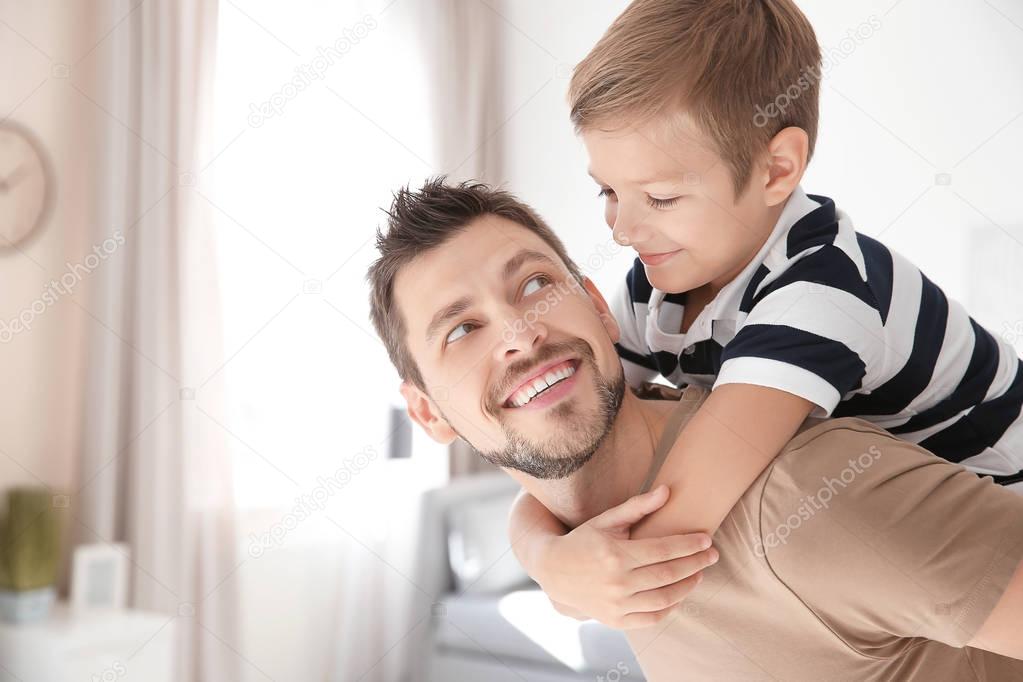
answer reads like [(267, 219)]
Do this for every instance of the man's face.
[(517, 356), (669, 195)]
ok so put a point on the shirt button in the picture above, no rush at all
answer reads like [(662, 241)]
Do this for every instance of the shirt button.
[(689, 350)]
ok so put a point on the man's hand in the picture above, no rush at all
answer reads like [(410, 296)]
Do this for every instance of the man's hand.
[(596, 571)]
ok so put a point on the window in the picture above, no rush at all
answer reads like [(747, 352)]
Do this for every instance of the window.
[(321, 111)]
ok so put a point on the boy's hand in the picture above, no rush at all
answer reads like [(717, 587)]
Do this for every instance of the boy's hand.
[(596, 571)]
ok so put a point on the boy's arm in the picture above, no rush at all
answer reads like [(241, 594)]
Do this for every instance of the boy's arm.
[(531, 527), (725, 446), (596, 571)]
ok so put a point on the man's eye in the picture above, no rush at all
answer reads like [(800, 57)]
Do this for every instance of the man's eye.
[(534, 284), (460, 331)]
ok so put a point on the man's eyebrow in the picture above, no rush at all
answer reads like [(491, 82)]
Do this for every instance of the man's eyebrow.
[(446, 313), (462, 304), (521, 258)]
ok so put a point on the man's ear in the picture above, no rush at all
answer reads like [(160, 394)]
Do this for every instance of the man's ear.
[(603, 310), (786, 162), (423, 411)]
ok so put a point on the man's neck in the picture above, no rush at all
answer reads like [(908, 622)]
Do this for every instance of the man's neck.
[(615, 472)]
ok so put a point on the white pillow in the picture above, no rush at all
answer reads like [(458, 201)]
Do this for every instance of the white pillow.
[(481, 557)]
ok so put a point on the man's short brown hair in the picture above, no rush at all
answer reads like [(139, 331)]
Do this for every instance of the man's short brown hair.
[(425, 219), (742, 70)]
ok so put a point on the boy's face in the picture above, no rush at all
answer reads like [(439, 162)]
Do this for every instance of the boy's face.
[(670, 196), (515, 314)]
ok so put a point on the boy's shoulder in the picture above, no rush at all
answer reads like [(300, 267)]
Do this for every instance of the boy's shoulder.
[(817, 252)]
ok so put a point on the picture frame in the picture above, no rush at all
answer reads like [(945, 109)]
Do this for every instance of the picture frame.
[(99, 576)]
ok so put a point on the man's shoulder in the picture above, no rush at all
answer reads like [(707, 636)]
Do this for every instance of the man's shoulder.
[(839, 464), (864, 476), (823, 446)]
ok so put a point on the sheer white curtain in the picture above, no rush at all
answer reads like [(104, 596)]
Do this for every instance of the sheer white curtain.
[(323, 110), (152, 470), (387, 611)]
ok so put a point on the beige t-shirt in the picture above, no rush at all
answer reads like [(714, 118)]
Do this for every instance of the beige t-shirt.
[(855, 556)]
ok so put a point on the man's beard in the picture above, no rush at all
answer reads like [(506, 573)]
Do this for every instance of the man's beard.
[(575, 435)]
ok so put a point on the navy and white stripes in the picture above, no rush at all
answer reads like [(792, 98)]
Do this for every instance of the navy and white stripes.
[(837, 318)]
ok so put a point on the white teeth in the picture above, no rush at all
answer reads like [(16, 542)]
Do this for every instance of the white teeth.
[(527, 393)]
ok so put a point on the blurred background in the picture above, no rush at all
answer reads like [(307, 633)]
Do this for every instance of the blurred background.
[(206, 470)]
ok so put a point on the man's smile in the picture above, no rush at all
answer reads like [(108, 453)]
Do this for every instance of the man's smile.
[(546, 386)]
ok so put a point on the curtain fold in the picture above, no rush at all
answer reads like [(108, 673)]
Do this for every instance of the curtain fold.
[(386, 609), (152, 471)]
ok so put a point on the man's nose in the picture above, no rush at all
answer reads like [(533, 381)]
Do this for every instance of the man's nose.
[(521, 332)]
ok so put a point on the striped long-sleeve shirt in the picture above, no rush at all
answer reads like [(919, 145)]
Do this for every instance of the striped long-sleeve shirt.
[(837, 318)]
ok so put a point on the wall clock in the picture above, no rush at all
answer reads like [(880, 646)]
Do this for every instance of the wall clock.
[(25, 184)]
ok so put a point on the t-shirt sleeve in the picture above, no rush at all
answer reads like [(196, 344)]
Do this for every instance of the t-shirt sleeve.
[(637, 359), (815, 332), (882, 539)]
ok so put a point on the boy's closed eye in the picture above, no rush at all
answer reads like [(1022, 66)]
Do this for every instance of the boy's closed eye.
[(654, 202)]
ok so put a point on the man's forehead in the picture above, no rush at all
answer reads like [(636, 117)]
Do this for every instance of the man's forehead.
[(478, 254), (481, 249)]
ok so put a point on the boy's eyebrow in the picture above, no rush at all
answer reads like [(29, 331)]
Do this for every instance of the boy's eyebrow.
[(650, 181), (459, 306)]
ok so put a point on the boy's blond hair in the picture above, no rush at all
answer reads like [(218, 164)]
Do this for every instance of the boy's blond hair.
[(741, 70)]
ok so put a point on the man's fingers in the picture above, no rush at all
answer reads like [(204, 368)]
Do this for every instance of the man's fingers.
[(648, 551), (633, 509), (569, 611), (665, 597), (633, 621), (667, 573)]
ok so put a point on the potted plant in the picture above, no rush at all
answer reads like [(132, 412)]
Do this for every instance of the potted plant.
[(29, 555)]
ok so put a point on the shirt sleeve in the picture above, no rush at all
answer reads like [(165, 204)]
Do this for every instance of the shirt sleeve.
[(814, 332), (883, 540), (637, 358)]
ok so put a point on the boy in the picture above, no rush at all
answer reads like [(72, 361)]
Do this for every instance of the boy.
[(699, 117)]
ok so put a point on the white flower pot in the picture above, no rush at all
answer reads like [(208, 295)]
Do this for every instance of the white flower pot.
[(28, 606)]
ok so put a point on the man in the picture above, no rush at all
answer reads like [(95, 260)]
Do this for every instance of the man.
[(854, 556)]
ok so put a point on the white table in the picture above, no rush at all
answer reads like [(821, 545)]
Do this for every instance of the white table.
[(89, 646)]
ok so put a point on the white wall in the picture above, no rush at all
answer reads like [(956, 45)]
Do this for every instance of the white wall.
[(936, 88), (37, 367)]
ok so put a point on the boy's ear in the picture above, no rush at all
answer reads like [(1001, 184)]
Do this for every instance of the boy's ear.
[(423, 411), (786, 162), (603, 310)]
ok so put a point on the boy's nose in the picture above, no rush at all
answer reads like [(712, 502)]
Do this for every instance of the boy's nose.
[(628, 229)]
